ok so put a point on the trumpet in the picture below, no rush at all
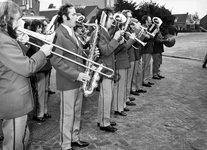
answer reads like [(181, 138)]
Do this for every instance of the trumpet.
[(139, 31), (47, 39), (137, 38)]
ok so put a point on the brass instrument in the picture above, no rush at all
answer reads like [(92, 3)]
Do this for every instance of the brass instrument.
[(83, 36), (119, 18), (89, 86), (154, 28), (170, 40), (139, 31), (48, 40), (138, 38)]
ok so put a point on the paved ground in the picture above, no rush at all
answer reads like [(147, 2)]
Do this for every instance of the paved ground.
[(172, 115)]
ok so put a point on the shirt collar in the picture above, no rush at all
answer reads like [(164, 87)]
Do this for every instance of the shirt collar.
[(68, 29)]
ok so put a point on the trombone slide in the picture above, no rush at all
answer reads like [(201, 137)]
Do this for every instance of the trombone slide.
[(43, 38)]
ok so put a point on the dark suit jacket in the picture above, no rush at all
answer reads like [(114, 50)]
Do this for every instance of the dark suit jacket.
[(66, 71), (148, 48), (158, 43), (15, 68), (122, 57), (131, 54), (137, 51), (107, 46), (33, 49)]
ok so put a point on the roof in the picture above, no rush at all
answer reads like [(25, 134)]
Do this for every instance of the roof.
[(89, 9), (180, 18), (49, 13)]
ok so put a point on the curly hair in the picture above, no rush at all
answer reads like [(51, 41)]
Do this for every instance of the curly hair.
[(36, 23), (63, 11), (8, 9)]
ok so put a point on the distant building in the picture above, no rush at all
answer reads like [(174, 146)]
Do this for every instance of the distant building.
[(185, 22), (100, 3), (88, 12), (49, 13), (203, 22), (29, 7)]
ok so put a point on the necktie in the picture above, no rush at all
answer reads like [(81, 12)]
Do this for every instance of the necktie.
[(74, 37)]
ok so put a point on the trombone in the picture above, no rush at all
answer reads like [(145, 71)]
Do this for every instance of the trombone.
[(45, 40)]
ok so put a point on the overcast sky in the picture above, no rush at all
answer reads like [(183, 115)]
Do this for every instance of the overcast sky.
[(176, 6)]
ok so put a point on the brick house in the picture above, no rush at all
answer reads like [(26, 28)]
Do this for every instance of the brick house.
[(184, 22), (203, 22), (99, 3), (29, 7)]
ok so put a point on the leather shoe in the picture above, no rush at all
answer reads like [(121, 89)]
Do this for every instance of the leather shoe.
[(51, 92), (108, 129), (146, 85), (131, 98), (150, 83), (134, 93), (129, 103), (126, 109), (156, 78), (141, 91), (122, 113), (162, 77), (39, 119), (111, 123), (80, 143), (47, 115)]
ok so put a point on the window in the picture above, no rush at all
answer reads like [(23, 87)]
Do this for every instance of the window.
[(23, 2), (30, 3)]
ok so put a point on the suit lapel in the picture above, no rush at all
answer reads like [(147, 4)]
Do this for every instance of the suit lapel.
[(106, 34), (66, 34)]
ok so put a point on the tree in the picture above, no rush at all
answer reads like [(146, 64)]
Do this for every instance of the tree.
[(121, 5), (51, 6)]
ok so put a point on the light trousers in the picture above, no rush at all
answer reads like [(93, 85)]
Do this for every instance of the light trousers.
[(157, 61), (105, 102), (146, 67), (70, 116), (16, 133), (42, 87), (129, 78), (137, 75), (119, 96)]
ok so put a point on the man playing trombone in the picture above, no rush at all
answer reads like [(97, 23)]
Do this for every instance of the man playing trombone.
[(16, 99), (68, 78)]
